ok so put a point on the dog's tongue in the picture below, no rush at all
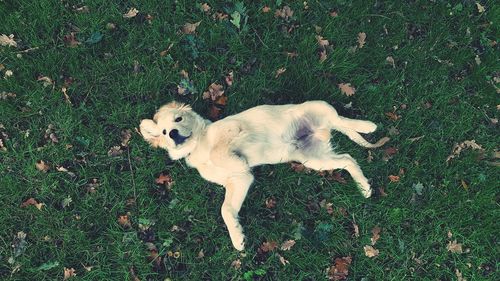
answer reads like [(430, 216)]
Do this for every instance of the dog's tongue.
[(179, 139)]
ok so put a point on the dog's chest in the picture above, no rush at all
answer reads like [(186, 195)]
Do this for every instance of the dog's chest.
[(200, 160)]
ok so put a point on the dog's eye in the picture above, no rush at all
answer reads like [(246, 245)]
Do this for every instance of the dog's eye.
[(164, 132), (178, 119)]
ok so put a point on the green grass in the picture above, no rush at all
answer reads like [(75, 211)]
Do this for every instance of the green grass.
[(434, 45)]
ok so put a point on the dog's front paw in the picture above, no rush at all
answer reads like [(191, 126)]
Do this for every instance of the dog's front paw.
[(238, 242), (367, 193)]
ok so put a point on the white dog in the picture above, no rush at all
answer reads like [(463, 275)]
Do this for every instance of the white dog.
[(224, 151)]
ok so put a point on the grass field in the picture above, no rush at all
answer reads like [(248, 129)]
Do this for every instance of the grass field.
[(79, 75)]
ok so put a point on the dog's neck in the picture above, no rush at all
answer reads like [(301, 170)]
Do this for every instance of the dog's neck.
[(185, 150)]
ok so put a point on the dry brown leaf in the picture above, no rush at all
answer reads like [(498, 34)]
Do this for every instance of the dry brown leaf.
[(457, 148), (393, 178), (46, 81), (454, 247), (266, 9), (214, 91), (124, 221), (205, 7), (8, 40), (71, 40), (333, 14), (375, 234), (279, 72), (64, 170), (283, 260), (287, 245), (292, 55), (229, 78), (389, 153), (68, 273), (32, 202), (361, 39), (270, 203), (393, 116), (201, 254), (356, 229), (190, 28), (322, 42), (284, 13), (347, 89), (126, 135), (131, 13), (322, 56), (459, 275), (369, 158), (42, 166), (269, 246), (220, 16), (164, 179), (340, 269), (381, 190), (370, 251), (391, 61), (115, 151), (236, 264), (133, 274)]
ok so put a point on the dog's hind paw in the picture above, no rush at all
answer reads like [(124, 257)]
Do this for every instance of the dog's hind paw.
[(239, 242)]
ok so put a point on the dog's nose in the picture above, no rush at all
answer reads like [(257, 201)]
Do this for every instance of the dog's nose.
[(174, 134)]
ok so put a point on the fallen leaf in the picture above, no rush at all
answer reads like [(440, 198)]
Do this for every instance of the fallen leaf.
[(270, 203), (48, 266), (229, 78), (8, 73), (82, 9), (361, 39), (19, 244), (124, 221), (71, 40), (393, 131), (190, 28), (369, 158), (287, 245), (391, 61), (416, 138), (68, 273), (64, 170), (46, 81), (356, 229), (327, 206), (419, 188), (266, 9), (454, 247), (216, 107), (323, 43), (457, 148), (283, 260), (205, 7), (201, 254), (458, 273), (115, 151), (339, 270), (42, 166), (347, 89), (477, 59), (214, 91), (32, 202), (220, 16), (393, 178), (131, 13), (236, 264), (375, 235), (393, 116), (382, 192), (284, 13), (322, 56), (449, 234), (5, 95), (279, 72), (292, 55), (125, 137), (269, 246), (164, 179), (370, 251), (8, 40), (480, 8), (333, 14), (389, 153)]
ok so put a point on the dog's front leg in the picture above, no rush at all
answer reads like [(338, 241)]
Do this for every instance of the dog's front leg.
[(236, 190)]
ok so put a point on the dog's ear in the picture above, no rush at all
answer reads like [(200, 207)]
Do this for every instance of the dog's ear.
[(150, 132)]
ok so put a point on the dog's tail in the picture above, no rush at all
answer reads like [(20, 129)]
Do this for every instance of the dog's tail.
[(352, 127)]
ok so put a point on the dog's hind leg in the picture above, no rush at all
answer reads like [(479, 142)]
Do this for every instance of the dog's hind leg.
[(236, 190), (342, 161)]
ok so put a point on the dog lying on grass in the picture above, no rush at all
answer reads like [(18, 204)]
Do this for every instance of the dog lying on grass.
[(224, 151)]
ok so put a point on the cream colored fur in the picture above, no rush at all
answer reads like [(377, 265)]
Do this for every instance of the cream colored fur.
[(224, 151)]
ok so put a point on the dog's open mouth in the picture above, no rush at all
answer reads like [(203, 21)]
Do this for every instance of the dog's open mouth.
[(180, 139)]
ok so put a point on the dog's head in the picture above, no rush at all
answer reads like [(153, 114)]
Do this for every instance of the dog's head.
[(175, 127)]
